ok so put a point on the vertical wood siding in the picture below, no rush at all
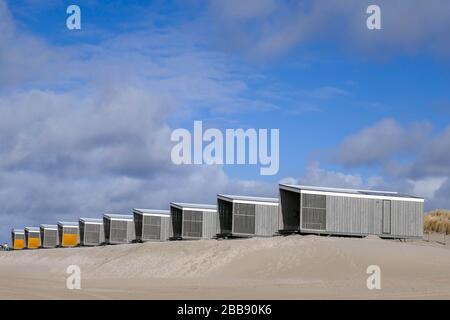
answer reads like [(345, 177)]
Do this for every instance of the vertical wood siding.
[(211, 225), (365, 216), (166, 228), (266, 220)]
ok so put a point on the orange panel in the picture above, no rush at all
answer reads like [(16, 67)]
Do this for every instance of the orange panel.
[(33, 243), (19, 244), (70, 240)]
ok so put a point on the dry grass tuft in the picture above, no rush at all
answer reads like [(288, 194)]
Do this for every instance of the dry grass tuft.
[(437, 221)]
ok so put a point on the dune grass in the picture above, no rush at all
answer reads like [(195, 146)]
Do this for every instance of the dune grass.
[(437, 221)]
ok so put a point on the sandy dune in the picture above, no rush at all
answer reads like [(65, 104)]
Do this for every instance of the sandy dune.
[(294, 267)]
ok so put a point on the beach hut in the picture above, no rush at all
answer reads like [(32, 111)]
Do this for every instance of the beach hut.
[(194, 221), (119, 228), (49, 236), (247, 216), (352, 212), (69, 234), (32, 237), (152, 225), (17, 239), (92, 232)]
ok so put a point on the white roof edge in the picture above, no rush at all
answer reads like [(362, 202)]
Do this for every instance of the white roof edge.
[(194, 206), (392, 196), (238, 198), (69, 224), (48, 226), (300, 186), (154, 212), (267, 202), (126, 217), (92, 220)]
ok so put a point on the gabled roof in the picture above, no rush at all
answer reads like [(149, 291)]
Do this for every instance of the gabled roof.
[(359, 193), (152, 212), (247, 199), (194, 206)]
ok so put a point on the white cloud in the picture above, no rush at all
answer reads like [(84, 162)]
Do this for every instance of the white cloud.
[(381, 142), (265, 29), (316, 176), (88, 132)]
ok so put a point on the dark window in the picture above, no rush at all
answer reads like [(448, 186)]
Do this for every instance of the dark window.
[(138, 225), (177, 221), (314, 211), (290, 209), (107, 225), (225, 210), (82, 231)]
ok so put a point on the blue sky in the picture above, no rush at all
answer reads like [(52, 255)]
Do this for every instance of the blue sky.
[(87, 114)]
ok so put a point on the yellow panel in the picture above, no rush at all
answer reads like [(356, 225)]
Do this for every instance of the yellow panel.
[(70, 240), (33, 243), (19, 244)]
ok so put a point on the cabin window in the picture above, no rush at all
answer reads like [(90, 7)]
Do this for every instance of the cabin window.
[(92, 233), (119, 231), (192, 223), (314, 211), (152, 227), (244, 218)]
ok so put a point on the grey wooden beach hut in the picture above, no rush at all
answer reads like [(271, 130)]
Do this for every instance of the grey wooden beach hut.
[(119, 228), (92, 232), (247, 216), (350, 212), (152, 225), (194, 221), (49, 236)]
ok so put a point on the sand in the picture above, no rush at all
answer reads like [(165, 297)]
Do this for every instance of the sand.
[(293, 267)]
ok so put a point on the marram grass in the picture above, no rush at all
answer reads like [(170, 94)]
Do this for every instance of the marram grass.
[(437, 221)]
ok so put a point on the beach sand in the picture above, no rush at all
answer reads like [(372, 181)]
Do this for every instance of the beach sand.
[(293, 267)]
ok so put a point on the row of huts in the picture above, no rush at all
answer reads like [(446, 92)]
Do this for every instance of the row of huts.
[(299, 209)]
